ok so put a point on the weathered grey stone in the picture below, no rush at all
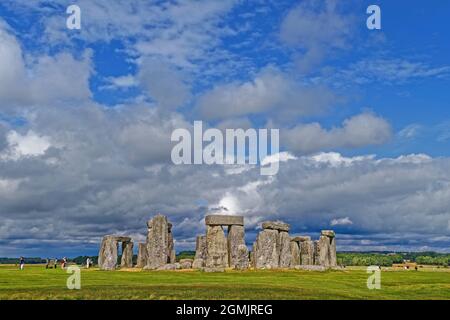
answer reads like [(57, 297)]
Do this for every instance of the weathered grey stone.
[(295, 254), (186, 263), (275, 225), (142, 255), (107, 256), (236, 239), (222, 220), (243, 258), (168, 266), (328, 233), (310, 268), (206, 269), (322, 257), (127, 255), (157, 242), (198, 263), (284, 247), (200, 253), (332, 253), (216, 248), (171, 255), (265, 250), (301, 238), (252, 256), (325, 254), (306, 252)]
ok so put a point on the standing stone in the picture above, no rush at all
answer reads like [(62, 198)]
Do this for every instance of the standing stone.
[(307, 253), (284, 249), (171, 254), (253, 255), (322, 247), (107, 257), (333, 256), (295, 254), (236, 235), (142, 255), (216, 248), (200, 253), (328, 244), (127, 254), (242, 259), (265, 251), (157, 242)]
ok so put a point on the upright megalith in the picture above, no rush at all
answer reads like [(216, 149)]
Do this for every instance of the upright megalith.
[(238, 252), (216, 248), (170, 245), (272, 248), (284, 249), (295, 253), (142, 255), (306, 251), (325, 249), (222, 252), (108, 254), (200, 253), (157, 242), (265, 250)]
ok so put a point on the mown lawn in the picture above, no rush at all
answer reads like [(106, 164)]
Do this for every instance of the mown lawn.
[(35, 282)]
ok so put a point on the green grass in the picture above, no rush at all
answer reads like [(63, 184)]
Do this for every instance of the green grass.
[(35, 282)]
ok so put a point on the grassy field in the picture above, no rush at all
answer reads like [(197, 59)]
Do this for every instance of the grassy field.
[(35, 282)]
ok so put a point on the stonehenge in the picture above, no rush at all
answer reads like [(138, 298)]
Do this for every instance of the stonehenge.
[(215, 251), (222, 247), (109, 249), (274, 248)]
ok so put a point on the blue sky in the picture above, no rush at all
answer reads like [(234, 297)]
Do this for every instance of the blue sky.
[(86, 117)]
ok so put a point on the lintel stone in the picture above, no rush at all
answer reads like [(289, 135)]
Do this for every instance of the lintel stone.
[(222, 220), (274, 225), (301, 238)]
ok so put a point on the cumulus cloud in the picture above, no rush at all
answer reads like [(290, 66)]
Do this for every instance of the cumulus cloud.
[(164, 84), (341, 222), (316, 28), (45, 79), (270, 92), (357, 131)]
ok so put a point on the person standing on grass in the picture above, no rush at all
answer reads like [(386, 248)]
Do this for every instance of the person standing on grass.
[(22, 263)]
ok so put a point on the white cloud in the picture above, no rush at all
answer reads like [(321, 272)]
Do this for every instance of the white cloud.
[(27, 145), (388, 71), (12, 68), (341, 222), (316, 28), (358, 131), (164, 84), (270, 91), (44, 79)]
